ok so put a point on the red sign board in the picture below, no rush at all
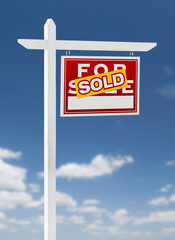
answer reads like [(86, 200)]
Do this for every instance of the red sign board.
[(123, 101)]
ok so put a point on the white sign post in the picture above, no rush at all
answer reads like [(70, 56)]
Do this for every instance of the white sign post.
[(50, 45)]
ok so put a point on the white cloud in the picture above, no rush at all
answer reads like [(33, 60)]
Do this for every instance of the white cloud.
[(8, 154), (38, 220), (3, 227), (95, 227), (13, 230), (35, 203), (19, 222), (61, 219), (10, 200), (148, 234), (12, 177), (34, 187), (73, 219), (95, 233), (2, 215), (136, 233), (98, 212), (168, 231), (159, 201), (168, 71), (113, 230), (102, 230), (170, 163), (99, 166), (76, 219), (162, 201), (156, 217), (172, 198), (140, 234), (98, 221), (167, 91), (91, 202), (63, 199), (120, 217), (166, 188)]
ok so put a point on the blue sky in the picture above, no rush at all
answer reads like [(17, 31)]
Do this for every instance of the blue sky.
[(132, 202)]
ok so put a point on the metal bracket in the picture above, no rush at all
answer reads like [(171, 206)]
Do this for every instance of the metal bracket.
[(67, 52), (132, 54)]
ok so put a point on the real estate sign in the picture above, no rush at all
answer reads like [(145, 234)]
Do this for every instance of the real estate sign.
[(99, 86)]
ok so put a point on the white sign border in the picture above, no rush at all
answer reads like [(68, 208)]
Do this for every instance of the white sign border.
[(95, 114)]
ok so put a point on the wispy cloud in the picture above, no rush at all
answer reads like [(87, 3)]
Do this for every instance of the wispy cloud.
[(39, 219), (2, 215), (91, 202), (95, 227), (99, 166), (168, 70), (167, 91), (162, 201), (10, 200), (19, 222), (159, 201), (3, 227), (12, 177), (34, 187), (8, 154), (75, 219), (63, 199), (166, 188), (120, 217), (62, 219), (156, 217), (113, 230), (94, 210), (95, 219), (170, 163), (168, 231)]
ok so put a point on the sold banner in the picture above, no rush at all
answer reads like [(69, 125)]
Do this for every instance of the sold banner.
[(100, 83), (99, 86)]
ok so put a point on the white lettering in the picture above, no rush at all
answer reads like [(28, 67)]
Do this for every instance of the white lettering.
[(84, 85), (119, 66), (118, 79), (106, 85), (81, 70), (99, 82), (125, 90), (72, 85)]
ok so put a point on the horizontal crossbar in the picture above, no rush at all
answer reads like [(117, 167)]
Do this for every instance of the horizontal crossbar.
[(89, 45)]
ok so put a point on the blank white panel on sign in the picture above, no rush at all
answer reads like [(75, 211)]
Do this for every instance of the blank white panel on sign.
[(100, 102)]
